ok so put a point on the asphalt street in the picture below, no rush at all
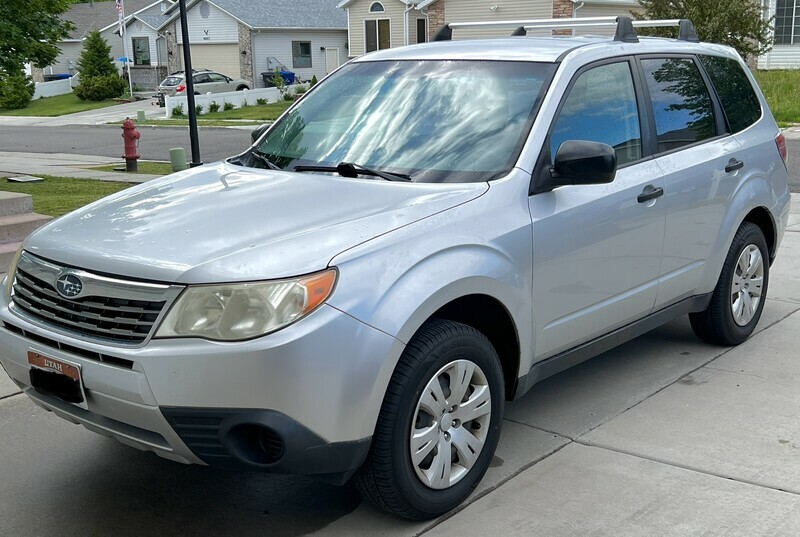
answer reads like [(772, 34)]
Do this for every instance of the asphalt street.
[(106, 141), (215, 143)]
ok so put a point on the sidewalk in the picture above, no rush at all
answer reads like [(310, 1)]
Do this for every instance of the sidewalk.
[(100, 116), (65, 165)]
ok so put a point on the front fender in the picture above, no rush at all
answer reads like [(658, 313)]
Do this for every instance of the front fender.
[(396, 282)]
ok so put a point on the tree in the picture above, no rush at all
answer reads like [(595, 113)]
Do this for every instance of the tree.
[(30, 31), (96, 58), (99, 79), (737, 23)]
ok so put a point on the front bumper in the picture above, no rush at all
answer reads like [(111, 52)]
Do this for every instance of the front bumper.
[(317, 385)]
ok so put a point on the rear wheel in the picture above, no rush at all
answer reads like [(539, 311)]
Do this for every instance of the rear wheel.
[(439, 424), (738, 299), (242, 88)]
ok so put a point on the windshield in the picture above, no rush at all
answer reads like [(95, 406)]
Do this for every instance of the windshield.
[(437, 121)]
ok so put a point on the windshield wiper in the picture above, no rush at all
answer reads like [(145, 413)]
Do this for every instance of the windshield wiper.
[(347, 169), (262, 158)]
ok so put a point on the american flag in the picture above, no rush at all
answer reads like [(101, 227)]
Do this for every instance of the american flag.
[(121, 14)]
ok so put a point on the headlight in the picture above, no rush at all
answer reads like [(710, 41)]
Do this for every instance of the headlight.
[(235, 312), (12, 269)]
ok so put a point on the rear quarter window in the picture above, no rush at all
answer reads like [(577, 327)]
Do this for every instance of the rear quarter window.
[(736, 93)]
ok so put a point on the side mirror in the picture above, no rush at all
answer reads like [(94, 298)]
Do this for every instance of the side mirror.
[(256, 134), (579, 162)]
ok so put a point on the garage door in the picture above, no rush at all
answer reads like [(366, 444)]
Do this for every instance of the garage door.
[(221, 58)]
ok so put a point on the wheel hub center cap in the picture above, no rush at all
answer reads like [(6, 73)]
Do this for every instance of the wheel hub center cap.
[(446, 423)]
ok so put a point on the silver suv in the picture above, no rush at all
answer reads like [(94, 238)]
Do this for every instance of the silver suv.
[(425, 235)]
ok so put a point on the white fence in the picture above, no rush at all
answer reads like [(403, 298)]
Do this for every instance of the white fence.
[(56, 87), (236, 98)]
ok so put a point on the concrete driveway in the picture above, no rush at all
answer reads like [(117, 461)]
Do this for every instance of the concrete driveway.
[(662, 436)]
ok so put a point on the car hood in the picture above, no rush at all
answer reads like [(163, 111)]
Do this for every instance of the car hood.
[(223, 223)]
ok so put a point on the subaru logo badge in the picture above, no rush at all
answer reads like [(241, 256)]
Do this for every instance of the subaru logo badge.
[(69, 285)]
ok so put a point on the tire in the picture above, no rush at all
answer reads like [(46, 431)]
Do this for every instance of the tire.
[(242, 88), (721, 323), (389, 478)]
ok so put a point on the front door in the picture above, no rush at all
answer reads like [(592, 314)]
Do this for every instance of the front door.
[(331, 59), (597, 248)]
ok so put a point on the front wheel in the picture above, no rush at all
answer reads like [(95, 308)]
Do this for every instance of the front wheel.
[(439, 424), (738, 299)]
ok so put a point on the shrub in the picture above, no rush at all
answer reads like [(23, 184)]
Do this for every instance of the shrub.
[(16, 90), (100, 88), (288, 96), (301, 89), (228, 106), (261, 102), (313, 81), (213, 107), (177, 111), (198, 109)]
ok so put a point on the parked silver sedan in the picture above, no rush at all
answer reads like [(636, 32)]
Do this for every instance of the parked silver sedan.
[(205, 81)]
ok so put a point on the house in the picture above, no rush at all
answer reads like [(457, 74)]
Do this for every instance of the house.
[(145, 48), (85, 19), (379, 24), (239, 38), (785, 53)]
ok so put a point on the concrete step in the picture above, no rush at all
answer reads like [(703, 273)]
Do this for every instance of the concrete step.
[(7, 252), (12, 203), (16, 227)]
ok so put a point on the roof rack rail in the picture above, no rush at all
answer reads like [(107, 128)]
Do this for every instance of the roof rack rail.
[(626, 28)]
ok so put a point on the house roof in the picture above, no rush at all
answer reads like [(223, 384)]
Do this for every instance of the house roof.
[(99, 15), (426, 3), (345, 3), (153, 21), (278, 13)]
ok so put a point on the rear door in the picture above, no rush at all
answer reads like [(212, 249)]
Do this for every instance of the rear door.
[(694, 152), (597, 248)]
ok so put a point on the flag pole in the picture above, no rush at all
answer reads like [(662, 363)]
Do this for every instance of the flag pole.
[(122, 33)]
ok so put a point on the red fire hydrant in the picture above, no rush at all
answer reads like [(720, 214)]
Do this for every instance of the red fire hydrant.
[(131, 137)]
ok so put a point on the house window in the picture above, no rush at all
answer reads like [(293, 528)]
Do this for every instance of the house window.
[(787, 27), (141, 50), (301, 54), (377, 34), (376, 7)]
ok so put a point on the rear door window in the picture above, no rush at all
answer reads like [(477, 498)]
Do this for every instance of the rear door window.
[(681, 103), (736, 93)]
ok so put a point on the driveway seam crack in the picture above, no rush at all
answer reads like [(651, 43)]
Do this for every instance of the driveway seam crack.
[(502, 482), (694, 469)]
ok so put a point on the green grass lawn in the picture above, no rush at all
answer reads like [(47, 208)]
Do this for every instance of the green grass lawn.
[(60, 195), (781, 87), (57, 106), (149, 168)]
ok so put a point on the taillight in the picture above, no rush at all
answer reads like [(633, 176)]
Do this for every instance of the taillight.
[(780, 141), (180, 88)]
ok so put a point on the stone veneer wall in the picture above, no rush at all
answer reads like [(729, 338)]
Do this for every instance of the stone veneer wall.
[(562, 9), (435, 17), (173, 55), (246, 54)]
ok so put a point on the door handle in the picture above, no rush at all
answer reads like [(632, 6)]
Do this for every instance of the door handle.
[(650, 192), (734, 165)]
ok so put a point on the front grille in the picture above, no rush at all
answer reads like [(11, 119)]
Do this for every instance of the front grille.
[(111, 310)]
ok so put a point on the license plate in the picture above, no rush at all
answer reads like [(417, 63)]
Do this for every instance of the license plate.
[(56, 377)]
